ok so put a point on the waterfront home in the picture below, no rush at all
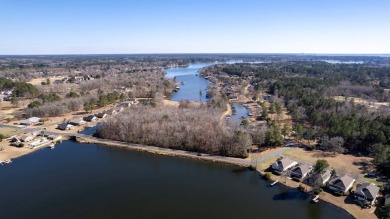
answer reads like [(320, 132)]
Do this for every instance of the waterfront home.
[(283, 164), (26, 137), (31, 121), (102, 115), (325, 177), (322, 178), (118, 109), (65, 126), (90, 118), (54, 137), (301, 171), (77, 122), (341, 184), (38, 142), (111, 112), (366, 193)]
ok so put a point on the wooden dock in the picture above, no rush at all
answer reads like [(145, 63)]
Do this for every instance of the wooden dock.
[(315, 199)]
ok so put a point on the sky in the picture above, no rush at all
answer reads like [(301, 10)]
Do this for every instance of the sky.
[(194, 26)]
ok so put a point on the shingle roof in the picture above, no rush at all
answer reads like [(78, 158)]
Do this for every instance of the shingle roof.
[(285, 162), (368, 190), (302, 169), (342, 181)]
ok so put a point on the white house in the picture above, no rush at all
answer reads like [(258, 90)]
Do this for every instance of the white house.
[(31, 121)]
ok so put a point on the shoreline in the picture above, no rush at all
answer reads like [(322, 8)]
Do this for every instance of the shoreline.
[(166, 151)]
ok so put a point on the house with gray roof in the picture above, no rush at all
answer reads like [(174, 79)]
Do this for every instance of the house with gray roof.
[(325, 177), (90, 118), (65, 126), (31, 121), (77, 121), (366, 193), (283, 164), (301, 171), (341, 184)]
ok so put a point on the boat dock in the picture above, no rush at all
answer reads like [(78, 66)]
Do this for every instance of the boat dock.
[(315, 199)]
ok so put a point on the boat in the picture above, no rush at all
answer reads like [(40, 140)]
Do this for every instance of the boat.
[(274, 182), (52, 146), (8, 161)]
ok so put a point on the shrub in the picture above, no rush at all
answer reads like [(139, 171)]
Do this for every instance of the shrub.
[(267, 176)]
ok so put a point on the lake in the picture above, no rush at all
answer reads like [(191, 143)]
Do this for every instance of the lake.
[(77, 180), (240, 113), (194, 87)]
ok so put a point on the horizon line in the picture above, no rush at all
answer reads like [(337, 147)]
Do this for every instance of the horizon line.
[(201, 53)]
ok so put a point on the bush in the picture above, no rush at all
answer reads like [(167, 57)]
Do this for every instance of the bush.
[(267, 176), (317, 191), (301, 188)]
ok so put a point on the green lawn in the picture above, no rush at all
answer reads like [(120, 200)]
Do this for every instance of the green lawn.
[(7, 131), (372, 180)]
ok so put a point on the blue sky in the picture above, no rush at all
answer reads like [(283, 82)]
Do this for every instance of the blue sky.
[(189, 26)]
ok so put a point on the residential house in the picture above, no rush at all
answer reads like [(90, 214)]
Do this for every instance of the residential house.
[(54, 137), (118, 109), (341, 184), (26, 137), (31, 121), (65, 126), (111, 112), (124, 104), (301, 171), (77, 122), (102, 115), (366, 193), (322, 178), (90, 118), (325, 177), (283, 164)]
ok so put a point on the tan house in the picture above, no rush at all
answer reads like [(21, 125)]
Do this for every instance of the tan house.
[(341, 184), (366, 193), (301, 171), (283, 164)]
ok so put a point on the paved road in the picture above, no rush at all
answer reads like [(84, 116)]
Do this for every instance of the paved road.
[(11, 126), (277, 153)]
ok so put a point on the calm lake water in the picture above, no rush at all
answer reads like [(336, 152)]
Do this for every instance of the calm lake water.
[(194, 87), (241, 111), (77, 180)]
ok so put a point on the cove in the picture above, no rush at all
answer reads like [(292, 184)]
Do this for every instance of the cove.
[(77, 180)]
